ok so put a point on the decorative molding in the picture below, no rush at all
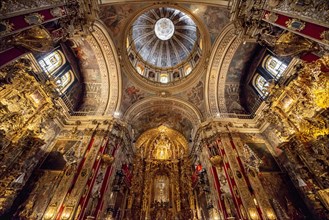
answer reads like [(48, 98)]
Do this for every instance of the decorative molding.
[(108, 63), (325, 36), (223, 51), (6, 27), (313, 13)]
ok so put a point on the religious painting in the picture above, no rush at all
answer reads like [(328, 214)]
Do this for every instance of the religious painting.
[(91, 74), (116, 16), (161, 189), (237, 69), (85, 54), (268, 163), (233, 102), (59, 156), (131, 94), (37, 97), (195, 95), (272, 138), (284, 197), (240, 61)]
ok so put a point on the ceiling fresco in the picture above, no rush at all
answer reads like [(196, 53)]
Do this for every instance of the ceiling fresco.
[(116, 17), (214, 18), (195, 96), (238, 67), (153, 112), (162, 115), (91, 74)]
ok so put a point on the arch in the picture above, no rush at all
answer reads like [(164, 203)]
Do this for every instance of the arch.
[(172, 140), (224, 48), (52, 62), (171, 112), (102, 76), (113, 69)]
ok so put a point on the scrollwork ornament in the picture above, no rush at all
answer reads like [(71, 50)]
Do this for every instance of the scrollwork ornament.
[(271, 17), (57, 12), (325, 36), (6, 27)]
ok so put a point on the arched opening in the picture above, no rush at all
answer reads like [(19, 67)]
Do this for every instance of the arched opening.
[(261, 85), (64, 81), (274, 66), (52, 62), (162, 154)]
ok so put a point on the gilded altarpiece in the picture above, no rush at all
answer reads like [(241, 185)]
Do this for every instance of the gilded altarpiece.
[(161, 185), (27, 125), (298, 111)]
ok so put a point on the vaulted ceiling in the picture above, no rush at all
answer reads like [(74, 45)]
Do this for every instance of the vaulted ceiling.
[(213, 87)]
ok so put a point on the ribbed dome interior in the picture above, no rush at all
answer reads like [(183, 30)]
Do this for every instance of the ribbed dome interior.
[(164, 53)]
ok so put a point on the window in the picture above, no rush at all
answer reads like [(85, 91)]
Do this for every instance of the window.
[(164, 78), (52, 62), (261, 85), (140, 69), (274, 66), (176, 75), (64, 81), (188, 70)]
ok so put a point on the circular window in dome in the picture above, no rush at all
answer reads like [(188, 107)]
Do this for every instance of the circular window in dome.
[(164, 28), (164, 40)]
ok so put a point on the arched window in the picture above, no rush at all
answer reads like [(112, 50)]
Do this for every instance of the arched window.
[(64, 81), (274, 66), (164, 78), (261, 85), (52, 62), (140, 69), (188, 70)]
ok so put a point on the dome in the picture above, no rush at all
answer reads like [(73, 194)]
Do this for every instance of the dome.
[(164, 44)]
